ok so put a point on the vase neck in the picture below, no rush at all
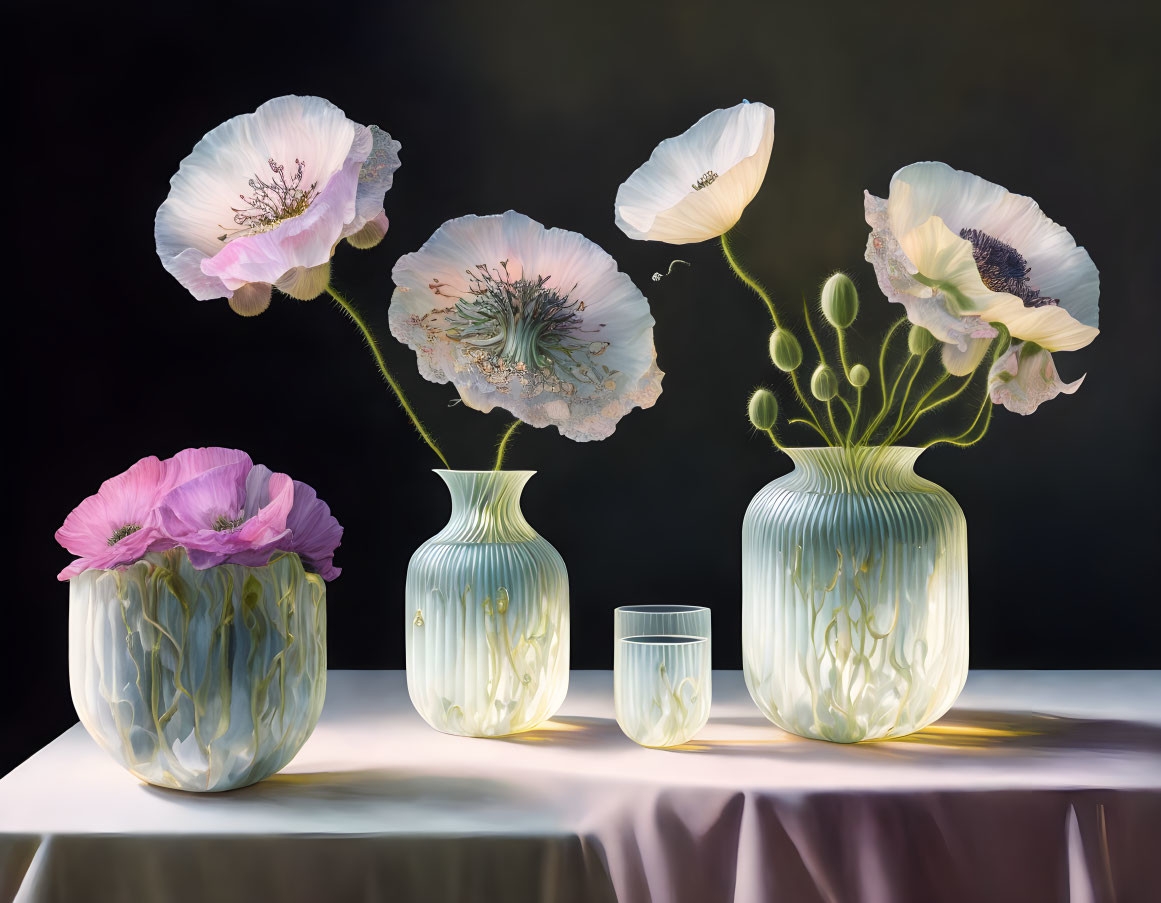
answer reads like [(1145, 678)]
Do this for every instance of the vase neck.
[(856, 470), (486, 506)]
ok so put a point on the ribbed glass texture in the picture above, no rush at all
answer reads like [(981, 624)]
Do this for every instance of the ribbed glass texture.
[(854, 596), (198, 680), (661, 688), (487, 614)]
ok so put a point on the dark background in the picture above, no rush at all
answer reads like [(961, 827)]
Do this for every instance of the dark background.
[(546, 109)]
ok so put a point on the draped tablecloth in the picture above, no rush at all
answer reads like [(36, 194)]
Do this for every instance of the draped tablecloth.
[(1036, 786)]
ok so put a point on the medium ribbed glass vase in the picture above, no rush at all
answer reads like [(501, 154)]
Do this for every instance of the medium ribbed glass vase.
[(487, 614), (854, 596)]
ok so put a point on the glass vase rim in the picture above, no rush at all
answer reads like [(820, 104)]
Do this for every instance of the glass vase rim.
[(276, 555), (661, 608), (479, 472), (824, 448)]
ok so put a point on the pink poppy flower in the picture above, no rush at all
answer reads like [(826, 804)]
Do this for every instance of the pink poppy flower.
[(228, 511), (263, 199), (119, 524), (314, 532)]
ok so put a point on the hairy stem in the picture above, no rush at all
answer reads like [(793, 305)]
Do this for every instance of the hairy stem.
[(965, 438), (503, 446), (753, 283), (810, 329), (842, 350), (369, 337), (855, 416), (814, 427), (903, 401)]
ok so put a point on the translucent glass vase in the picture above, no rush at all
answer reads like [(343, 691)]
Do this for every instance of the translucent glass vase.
[(487, 614), (198, 680), (854, 596)]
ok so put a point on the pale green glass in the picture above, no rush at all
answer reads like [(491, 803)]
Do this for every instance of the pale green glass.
[(198, 680), (671, 620), (487, 618), (661, 688), (854, 596)]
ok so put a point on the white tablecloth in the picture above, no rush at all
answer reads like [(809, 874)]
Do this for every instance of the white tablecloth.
[(1037, 786)]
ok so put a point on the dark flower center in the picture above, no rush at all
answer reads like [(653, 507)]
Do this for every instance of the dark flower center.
[(1004, 269), (272, 202), (121, 532), (224, 523)]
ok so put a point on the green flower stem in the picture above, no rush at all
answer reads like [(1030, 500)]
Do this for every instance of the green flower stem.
[(810, 329), (882, 371), (814, 427), (888, 401), (503, 446), (906, 395), (921, 408), (774, 439), (822, 360), (964, 439), (756, 287), (834, 426), (817, 424), (748, 279), (374, 346), (842, 350), (851, 417), (855, 416)]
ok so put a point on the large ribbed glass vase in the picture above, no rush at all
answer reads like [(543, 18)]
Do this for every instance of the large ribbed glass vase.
[(854, 596), (487, 614)]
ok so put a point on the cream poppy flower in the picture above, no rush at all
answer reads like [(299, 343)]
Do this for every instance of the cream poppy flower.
[(695, 186), (960, 253), (262, 200), (1025, 377), (537, 321)]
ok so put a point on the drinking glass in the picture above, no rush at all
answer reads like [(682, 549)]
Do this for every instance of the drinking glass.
[(661, 672)]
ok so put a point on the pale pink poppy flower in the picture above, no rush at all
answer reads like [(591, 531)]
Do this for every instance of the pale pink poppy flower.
[(263, 199)]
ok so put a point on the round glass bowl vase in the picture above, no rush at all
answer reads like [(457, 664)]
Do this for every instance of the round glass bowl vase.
[(487, 617), (662, 682), (854, 596), (198, 680)]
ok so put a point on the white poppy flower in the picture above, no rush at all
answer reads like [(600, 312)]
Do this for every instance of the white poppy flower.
[(1025, 377), (262, 200), (537, 321), (960, 252), (695, 186)]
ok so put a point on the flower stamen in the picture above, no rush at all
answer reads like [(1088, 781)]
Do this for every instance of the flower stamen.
[(524, 332), (121, 532), (272, 202), (707, 179), (224, 523), (1004, 269)]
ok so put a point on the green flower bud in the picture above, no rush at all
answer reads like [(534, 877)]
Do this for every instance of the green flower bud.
[(785, 350), (840, 301), (859, 376), (823, 384), (763, 409), (920, 340)]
